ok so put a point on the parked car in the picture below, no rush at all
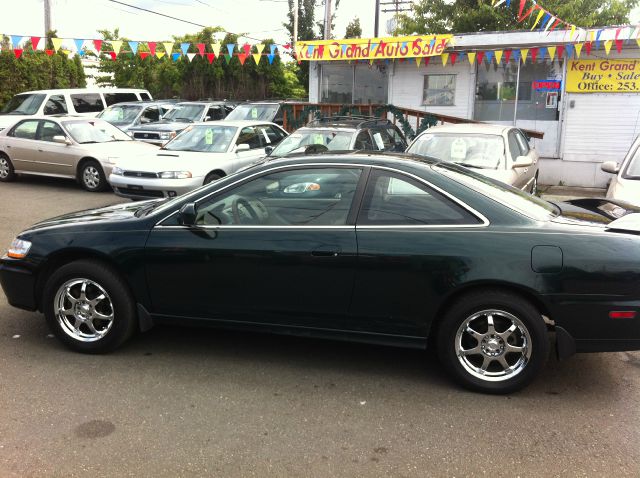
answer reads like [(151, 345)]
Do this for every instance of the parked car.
[(271, 111), (74, 101), (499, 152), (625, 185), (366, 247), (343, 133), (202, 153), (181, 115), (128, 115), (84, 149)]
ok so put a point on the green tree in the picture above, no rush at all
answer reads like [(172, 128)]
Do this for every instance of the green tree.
[(460, 16), (354, 30)]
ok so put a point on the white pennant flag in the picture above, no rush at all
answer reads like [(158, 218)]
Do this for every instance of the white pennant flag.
[(191, 55)]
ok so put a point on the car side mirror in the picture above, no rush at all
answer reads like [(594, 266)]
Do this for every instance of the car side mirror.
[(144, 120), (522, 162), (242, 147), (61, 139), (610, 167), (268, 150), (207, 118), (188, 214)]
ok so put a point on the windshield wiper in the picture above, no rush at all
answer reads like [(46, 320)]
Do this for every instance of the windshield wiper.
[(143, 211), (88, 142), (469, 165)]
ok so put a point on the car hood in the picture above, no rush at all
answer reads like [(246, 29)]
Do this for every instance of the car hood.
[(119, 149), (161, 126), (164, 160), (626, 190), (596, 212)]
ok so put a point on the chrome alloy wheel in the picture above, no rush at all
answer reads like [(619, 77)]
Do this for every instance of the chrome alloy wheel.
[(493, 345), (84, 310), (91, 177), (4, 168)]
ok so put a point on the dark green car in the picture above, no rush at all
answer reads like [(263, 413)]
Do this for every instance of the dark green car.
[(379, 248)]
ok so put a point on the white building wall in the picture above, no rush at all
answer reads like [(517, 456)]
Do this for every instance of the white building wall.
[(314, 82)]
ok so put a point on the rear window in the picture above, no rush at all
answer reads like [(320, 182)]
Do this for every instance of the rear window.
[(144, 96), (87, 103), (113, 98)]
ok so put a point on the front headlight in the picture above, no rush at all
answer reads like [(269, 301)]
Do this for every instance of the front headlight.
[(168, 135), (117, 171), (19, 248), (174, 174)]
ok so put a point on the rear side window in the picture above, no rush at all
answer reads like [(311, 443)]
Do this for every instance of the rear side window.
[(144, 96), (523, 143), (56, 105), (87, 103), (113, 98), (26, 130), (514, 148), (270, 135), (395, 200), (363, 141)]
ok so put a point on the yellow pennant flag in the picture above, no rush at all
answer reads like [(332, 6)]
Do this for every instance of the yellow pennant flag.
[(472, 57), (117, 45), (418, 61), (57, 43), (523, 55), (552, 52), (607, 46), (168, 47), (638, 41), (578, 47), (540, 13), (67, 52), (591, 35), (498, 54), (215, 48), (160, 54), (573, 30), (259, 48), (445, 58), (256, 57), (371, 61)]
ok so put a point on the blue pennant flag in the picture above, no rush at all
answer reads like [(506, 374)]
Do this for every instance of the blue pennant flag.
[(134, 47), (489, 56), (404, 44), (79, 44), (344, 48), (568, 48), (310, 51), (432, 42), (544, 21), (598, 38), (508, 3), (273, 48), (185, 47), (175, 56), (230, 47), (515, 55), (271, 56), (15, 41), (373, 47), (542, 52)]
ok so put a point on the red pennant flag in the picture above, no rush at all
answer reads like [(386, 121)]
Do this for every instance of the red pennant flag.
[(200, 47), (522, 2), (247, 49), (210, 57), (479, 57), (560, 51), (144, 54), (521, 19), (617, 33), (17, 52), (242, 57), (587, 47), (49, 52), (507, 56), (97, 44), (113, 55), (152, 47), (453, 57), (426, 60), (34, 42), (287, 46), (555, 24), (619, 45), (534, 54)]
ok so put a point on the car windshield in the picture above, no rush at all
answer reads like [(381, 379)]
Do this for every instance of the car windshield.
[(23, 104), (481, 151), (633, 169), (253, 112), (209, 138), (300, 140), (94, 131), (185, 113), (120, 114), (525, 203)]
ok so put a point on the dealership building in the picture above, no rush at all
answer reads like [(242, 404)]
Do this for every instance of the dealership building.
[(585, 101)]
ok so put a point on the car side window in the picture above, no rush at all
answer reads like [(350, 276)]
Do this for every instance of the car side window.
[(298, 197), (216, 113), (270, 135), (87, 103), (398, 139), (150, 115), (49, 129), (514, 148), (250, 136), (26, 130), (363, 141), (55, 105), (523, 143), (393, 199)]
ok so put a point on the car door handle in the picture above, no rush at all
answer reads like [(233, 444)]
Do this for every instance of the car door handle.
[(41, 150), (324, 253)]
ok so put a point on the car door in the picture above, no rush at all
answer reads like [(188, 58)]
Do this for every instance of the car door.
[(251, 136), (22, 147), (410, 250), (53, 157), (526, 150), (276, 248)]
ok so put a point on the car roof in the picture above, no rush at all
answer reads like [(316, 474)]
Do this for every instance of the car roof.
[(87, 90), (143, 103), (310, 127), (237, 123), (201, 103), (371, 158), (466, 128)]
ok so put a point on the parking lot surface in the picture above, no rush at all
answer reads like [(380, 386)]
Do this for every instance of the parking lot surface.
[(193, 402)]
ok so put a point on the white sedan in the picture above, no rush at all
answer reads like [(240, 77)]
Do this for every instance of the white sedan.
[(202, 153), (625, 185)]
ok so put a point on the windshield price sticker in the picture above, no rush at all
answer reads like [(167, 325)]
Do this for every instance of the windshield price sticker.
[(318, 139), (208, 136), (378, 139), (458, 149), (254, 113)]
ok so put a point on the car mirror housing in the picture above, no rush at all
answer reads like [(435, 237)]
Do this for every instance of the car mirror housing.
[(610, 167), (188, 214), (61, 139), (268, 150), (242, 147), (522, 162)]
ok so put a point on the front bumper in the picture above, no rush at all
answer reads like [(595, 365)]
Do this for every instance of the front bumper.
[(18, 284), (148, 188)]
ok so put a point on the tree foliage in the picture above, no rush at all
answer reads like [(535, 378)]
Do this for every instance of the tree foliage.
[(462, 16), (354, 30)]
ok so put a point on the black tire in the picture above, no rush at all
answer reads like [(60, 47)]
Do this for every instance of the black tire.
[(464, 355), (92, 177), (211, 177), (7, 173), (118, 302)]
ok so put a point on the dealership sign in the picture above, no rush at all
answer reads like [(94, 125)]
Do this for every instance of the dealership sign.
[(603, 76), (372, 48)]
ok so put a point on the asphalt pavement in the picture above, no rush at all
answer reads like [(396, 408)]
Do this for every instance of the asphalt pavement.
[(202, 402)]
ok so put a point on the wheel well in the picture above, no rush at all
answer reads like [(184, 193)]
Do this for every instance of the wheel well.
[(82, 162), (219, 172)]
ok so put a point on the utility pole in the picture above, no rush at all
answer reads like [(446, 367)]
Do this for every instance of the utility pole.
[(295, 24), (327, 19), (47, 17), (376, 25)]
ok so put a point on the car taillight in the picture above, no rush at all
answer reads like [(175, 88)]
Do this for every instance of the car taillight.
[(622, 314)]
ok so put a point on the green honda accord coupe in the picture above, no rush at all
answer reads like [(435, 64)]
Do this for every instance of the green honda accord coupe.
[(391, 249)]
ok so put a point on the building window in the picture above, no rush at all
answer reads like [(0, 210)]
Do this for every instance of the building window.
[(439, 90), (357, 83)]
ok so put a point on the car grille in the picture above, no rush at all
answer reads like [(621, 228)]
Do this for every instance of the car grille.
[(143, 135), (139, 174), (141, 192)]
